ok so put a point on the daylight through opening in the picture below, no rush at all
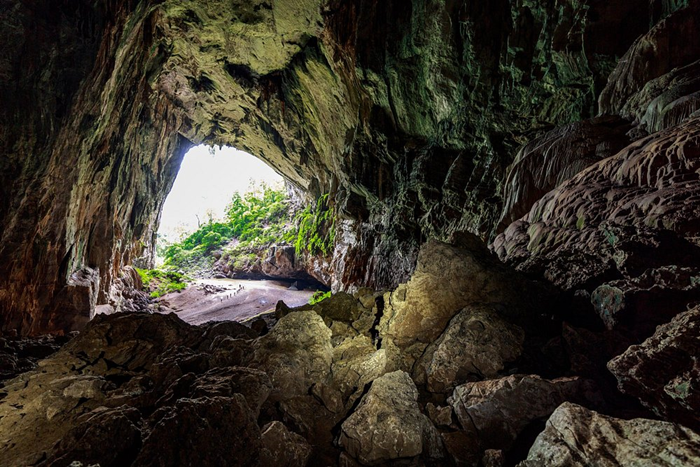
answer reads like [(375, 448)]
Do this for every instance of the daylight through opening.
[(234, 239)]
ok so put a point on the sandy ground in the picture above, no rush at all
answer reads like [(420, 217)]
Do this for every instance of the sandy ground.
[(239, 301)]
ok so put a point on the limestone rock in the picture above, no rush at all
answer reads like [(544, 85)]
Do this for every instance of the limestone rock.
[(295, 354), (254, 385), (281, 447), (387, 424), (546, 162), (447, 279), (110, 438), (476, 343), (575, 436), (672, 43), (356, 363), (206, 431), (603, 223), (641, 303), (495, 412), (664, 371), (95, 129)]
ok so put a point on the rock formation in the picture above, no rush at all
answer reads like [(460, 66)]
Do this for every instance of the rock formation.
[(359, 98), (565, 134)]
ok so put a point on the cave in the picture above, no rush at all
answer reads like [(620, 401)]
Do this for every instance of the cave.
[(514, 266)]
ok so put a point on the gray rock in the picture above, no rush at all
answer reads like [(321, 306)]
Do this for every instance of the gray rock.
[(295, 354), (283, 448), (497, 411), (578, 437), (664, 371), (388, 424), (477, 342)]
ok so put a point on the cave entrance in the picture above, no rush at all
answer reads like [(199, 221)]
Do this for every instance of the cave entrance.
[(206, 183), (229, 219)]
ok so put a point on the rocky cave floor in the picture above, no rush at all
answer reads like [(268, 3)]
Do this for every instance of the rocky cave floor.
[(455, 367)]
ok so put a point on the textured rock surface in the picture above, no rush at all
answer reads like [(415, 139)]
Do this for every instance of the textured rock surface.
[(448, 278), (616, 218), (576, 436), (546, 162), (477, 344), (667, 48), (283, 447), (106, 97), (423, 120), (387, 424), (664, 372), (495, 412)]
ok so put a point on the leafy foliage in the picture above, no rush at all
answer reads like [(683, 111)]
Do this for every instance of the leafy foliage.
[(255, 221), (319, 296), (160, 282), (316, 234)]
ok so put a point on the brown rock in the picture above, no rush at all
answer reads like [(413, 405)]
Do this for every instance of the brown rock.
[(281, 447), (546, 162), (387, 424), (477, 343), (208, 432), (639, 304), (664, 371), (461, 448), (497, 411), (110, 438), (575, 436), (615, 210), (672, 43)]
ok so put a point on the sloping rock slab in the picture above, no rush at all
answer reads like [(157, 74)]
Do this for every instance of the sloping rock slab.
[(497, 411), (578, 437), (477, 342), (207, 432), (664, 371)]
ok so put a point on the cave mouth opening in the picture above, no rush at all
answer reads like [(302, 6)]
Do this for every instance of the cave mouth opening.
[(229, 215), (208, 179)]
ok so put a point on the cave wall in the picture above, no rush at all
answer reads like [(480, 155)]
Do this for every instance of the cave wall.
[(409, 113)]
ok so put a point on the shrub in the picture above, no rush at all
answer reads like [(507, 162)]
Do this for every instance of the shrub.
[(319, 296), (159, 282)]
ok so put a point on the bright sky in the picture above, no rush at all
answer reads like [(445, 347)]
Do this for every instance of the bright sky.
[(206, 182)]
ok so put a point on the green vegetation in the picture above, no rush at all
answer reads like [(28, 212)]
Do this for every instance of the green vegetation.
[(319, 296), (316, 234), (159, 283), (254, 221)]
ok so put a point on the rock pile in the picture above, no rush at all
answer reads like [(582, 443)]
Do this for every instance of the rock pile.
[(359, 379)]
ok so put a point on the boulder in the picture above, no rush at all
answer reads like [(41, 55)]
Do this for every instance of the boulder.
[(448, 278), (295, 354), (283, 448), (664, 371), (206, 431), (254, 385), (356, 363), (388, 423), (108, 437), (496, 412), (477, 344), (578, 437)]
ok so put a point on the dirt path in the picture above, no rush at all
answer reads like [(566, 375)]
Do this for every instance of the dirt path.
[(238, 301)]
